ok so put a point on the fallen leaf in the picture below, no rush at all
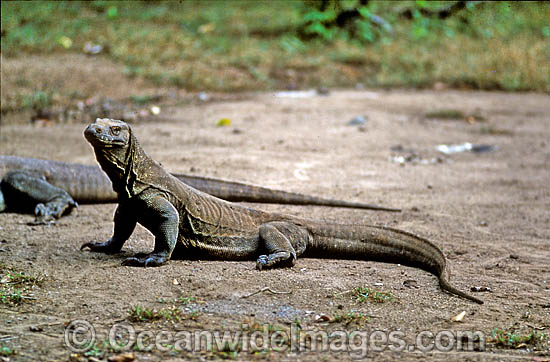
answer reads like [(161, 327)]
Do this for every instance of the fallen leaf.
[(224, 122), (65, 41), (123, 357), (459, 317), (322, 318)]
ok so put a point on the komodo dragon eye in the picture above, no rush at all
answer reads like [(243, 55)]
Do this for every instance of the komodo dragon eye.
[(115, 130)]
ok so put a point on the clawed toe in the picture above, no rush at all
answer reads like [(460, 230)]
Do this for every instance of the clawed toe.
[(93, 246), (106, 248), (261, 262)]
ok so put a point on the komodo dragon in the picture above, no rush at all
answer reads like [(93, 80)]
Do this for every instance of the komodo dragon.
[(191, 223), (50, 189)]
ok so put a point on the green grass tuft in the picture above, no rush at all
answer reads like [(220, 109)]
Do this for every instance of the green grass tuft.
[(140, 313), (364, 294), (350, 317), (16, 286), (514, 340)]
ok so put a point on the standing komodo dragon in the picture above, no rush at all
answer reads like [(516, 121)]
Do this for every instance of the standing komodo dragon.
[(191, 223), (50, 189)]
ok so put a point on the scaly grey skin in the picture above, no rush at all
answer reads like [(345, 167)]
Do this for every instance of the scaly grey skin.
[(190, 223), (51, 189)]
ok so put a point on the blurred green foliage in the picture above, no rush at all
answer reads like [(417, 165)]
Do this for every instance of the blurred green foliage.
[(243, 45)]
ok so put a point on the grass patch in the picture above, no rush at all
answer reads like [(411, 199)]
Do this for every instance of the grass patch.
[(351, 317), (445, 114), (16, 287), (255, 45), (494, 131), (454, 114), (183, 300), (364, 294), (140, 313), (144, 99), (189, 299), (515, 340), (22, 101), (6, 351)]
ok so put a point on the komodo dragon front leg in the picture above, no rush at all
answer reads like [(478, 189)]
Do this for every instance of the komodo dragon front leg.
[(157, 215), (25, 191)]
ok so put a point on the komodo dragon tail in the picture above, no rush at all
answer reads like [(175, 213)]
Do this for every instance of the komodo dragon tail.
[(237, 191), (378, 243)]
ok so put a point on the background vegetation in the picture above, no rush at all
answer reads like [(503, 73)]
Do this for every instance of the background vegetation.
[(256, 45)]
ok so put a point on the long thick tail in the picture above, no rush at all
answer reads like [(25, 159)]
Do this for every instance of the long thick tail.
[(377, 243), (237, 191)]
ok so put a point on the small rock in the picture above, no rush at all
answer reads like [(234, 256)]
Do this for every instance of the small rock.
[(480, 289), (429, 187), (323, 91), (514, 256), (36, 328), (359, 120), (204, 97), (175, 282), (415, 209), (410, 283), (483, 223), (92, 49)]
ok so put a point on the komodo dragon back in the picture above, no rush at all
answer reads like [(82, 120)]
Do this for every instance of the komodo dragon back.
[(187, 220)]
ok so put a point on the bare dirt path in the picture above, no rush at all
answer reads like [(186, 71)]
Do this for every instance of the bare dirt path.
[(489, 212)]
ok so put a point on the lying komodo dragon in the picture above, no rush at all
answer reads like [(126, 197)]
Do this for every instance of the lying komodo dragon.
[(50, 189), (191, 223)]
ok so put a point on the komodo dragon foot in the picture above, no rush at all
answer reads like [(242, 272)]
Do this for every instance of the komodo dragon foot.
[(48, 213), (276, 260)]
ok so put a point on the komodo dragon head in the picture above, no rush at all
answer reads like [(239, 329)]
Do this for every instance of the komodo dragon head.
[(122, 158)]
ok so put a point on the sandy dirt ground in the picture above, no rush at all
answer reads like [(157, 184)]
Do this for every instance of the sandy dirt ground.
[(489, 212)]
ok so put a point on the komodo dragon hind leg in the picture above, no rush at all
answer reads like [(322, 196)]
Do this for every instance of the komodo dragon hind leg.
[(283, 242), (24, 191)]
